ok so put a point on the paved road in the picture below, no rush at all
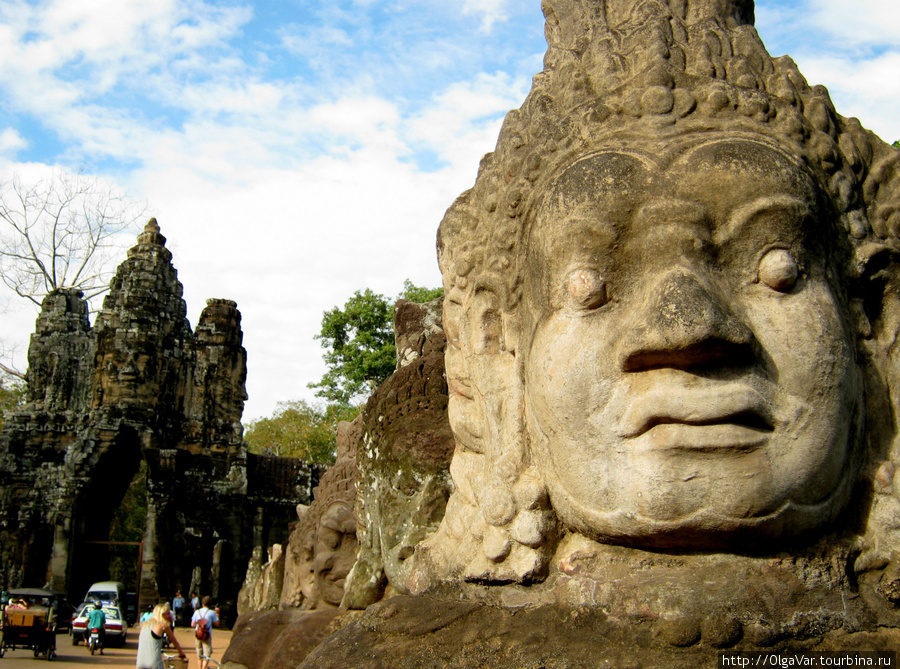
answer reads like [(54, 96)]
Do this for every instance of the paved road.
[(78, 657)]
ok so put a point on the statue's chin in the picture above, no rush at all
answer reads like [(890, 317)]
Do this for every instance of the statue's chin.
[(706, 528)]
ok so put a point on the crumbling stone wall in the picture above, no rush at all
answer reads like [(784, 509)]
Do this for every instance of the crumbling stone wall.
[(139, 386)]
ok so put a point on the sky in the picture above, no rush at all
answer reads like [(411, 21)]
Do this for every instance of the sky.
[(295, 151)]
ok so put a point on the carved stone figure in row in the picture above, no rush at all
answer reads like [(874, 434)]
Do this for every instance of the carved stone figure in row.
[(320, 553), (404, 466)]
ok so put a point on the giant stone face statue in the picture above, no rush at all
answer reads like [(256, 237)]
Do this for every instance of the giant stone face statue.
[(670, 306), (689, 372)]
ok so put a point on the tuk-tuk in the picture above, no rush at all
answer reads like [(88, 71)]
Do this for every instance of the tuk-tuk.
[(29, 621)]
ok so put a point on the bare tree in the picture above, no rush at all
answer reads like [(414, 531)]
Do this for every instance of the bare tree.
[(60, 232)]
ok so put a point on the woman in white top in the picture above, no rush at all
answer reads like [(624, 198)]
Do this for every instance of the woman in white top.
[(150, 641)]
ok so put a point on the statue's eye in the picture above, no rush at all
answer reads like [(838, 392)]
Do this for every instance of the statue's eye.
[(585, 289), (778, 270)]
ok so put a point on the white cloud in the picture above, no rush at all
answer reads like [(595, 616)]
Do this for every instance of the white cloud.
[(850, 46), (59, 53), (491, 11), (858, 22), (289, 194), (467, 116), (11, 142)]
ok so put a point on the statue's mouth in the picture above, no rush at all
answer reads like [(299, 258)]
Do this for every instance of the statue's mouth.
[(710, 416)]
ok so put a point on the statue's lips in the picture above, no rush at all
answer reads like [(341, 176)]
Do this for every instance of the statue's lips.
[(712, 416)]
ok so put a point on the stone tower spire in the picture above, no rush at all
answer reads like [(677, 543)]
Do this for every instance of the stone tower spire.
[(58, 353), (141, 330)]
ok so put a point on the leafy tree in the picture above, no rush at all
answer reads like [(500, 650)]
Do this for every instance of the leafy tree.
[(896, 144), (12, 396), (298, 429), (360, 347), (359, 343)]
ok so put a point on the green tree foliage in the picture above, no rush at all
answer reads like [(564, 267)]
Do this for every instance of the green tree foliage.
[(128, 524), (359, 343), (12, 396), (896, 144), (298, 429), (415, 293)]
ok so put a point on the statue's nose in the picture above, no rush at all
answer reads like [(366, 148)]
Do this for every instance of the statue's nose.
[(682, 320), (130, 367)]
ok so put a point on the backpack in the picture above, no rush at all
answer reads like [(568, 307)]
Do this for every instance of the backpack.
[(201, 629)]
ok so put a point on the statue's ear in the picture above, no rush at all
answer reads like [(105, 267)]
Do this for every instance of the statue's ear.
[(478, 362), (879, 288), (878, 291)]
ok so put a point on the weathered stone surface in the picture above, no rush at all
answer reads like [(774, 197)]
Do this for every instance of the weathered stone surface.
[(307, 578), (137, 386), (404, 456), (671, 304), (277, 639), (298, 586), (322, 547), (397, 456), (432, 631), (262, 584), (58, 353)]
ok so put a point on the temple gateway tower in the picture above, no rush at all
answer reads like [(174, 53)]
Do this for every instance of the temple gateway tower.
[(138, 402)]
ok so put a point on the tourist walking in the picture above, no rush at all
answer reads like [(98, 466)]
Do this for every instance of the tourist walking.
[(203, 620), (150, 641), (178, 608)]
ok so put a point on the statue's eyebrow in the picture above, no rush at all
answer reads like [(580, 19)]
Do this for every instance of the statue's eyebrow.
[(662, 211), (745, 213)]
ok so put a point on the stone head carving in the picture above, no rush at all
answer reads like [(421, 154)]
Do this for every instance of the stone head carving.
[(298, 587), (127, 371), (670, 300), (336, 549), (689, 367), (323, 546)]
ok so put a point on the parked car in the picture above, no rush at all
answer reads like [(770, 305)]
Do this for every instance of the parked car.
[(116, 627)]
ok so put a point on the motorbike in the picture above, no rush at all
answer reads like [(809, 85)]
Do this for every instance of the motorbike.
[(94, 640)]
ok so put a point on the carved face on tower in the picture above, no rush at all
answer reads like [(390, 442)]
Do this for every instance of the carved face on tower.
[(127, 372), (689, 369)]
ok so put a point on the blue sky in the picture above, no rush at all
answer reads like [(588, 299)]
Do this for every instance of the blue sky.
[(296, 151)]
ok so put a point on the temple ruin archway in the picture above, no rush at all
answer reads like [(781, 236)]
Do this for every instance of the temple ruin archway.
[(95, 507)]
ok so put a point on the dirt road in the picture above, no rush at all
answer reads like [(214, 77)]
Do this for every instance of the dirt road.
[(76, 657)]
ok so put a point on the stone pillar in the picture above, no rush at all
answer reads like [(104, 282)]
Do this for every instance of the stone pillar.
[(59, 559), (149, 584)]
